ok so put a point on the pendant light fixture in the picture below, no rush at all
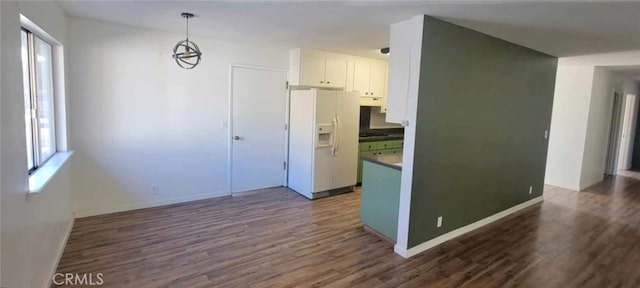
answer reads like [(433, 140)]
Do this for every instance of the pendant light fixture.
[(186, 53)]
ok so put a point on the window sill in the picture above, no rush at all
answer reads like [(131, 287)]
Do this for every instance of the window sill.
[(41, 177)]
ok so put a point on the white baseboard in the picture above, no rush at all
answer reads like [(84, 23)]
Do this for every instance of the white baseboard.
[(588, 185), (406, 253), (63, 244), (561, 185), (134, 206)]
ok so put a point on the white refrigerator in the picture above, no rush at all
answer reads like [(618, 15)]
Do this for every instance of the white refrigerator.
[(323, 141)]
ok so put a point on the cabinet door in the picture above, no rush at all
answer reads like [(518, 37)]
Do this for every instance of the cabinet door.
[(405, 40), (378, 79), (335, 73), (361, 76), (386, 152), (385, 145), (368, 146), (350, 69), (313, 70), (383, 108)]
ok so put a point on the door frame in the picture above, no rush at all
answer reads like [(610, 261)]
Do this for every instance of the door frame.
[(233, 66), (615, 134)]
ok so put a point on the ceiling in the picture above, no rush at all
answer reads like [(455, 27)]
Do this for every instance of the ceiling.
[(629, 71), (362, 27)]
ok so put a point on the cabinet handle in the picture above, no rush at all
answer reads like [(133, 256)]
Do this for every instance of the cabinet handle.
[(321, 81), (366, 93), (328, 82), (371, 93)]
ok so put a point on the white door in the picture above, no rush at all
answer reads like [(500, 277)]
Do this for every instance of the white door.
[(258, 117)]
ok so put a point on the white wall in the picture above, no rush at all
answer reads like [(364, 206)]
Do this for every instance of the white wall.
[(138, 120), (598, 129), (581, 117), (604, 59), (568, 126), (33, 226)]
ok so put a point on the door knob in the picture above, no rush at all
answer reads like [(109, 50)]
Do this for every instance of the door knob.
[(236, 137)]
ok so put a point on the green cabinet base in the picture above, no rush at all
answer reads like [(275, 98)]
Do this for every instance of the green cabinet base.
[(380, 199)]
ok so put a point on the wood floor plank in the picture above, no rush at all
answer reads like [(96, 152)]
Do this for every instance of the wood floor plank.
[(277, 238)]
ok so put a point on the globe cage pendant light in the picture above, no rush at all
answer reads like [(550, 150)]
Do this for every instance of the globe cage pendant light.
[(186, 53)]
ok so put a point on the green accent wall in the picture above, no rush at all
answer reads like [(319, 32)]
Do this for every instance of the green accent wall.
[(483, 107)]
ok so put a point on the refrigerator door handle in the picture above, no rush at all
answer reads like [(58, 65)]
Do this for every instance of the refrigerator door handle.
[(335, 135)]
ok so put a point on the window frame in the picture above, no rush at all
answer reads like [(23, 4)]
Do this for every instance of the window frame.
[(36, 152)]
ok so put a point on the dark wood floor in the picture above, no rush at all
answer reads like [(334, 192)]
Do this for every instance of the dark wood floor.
[(280, 239)]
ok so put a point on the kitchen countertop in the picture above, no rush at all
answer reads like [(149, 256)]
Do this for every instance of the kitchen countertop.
[(381, 138), (393, 161)]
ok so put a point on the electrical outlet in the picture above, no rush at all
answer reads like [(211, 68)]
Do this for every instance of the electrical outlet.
[(154, 190), (439, 222), (530, 189)]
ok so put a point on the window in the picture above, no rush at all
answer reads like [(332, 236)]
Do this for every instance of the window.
[(37, 69)]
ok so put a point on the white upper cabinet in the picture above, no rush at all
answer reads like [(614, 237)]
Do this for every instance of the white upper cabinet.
[(335, 72), (378, 79), (369, 78), (405, 43), (317, 69), (323, 69), (362, 77), (313, 70)]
